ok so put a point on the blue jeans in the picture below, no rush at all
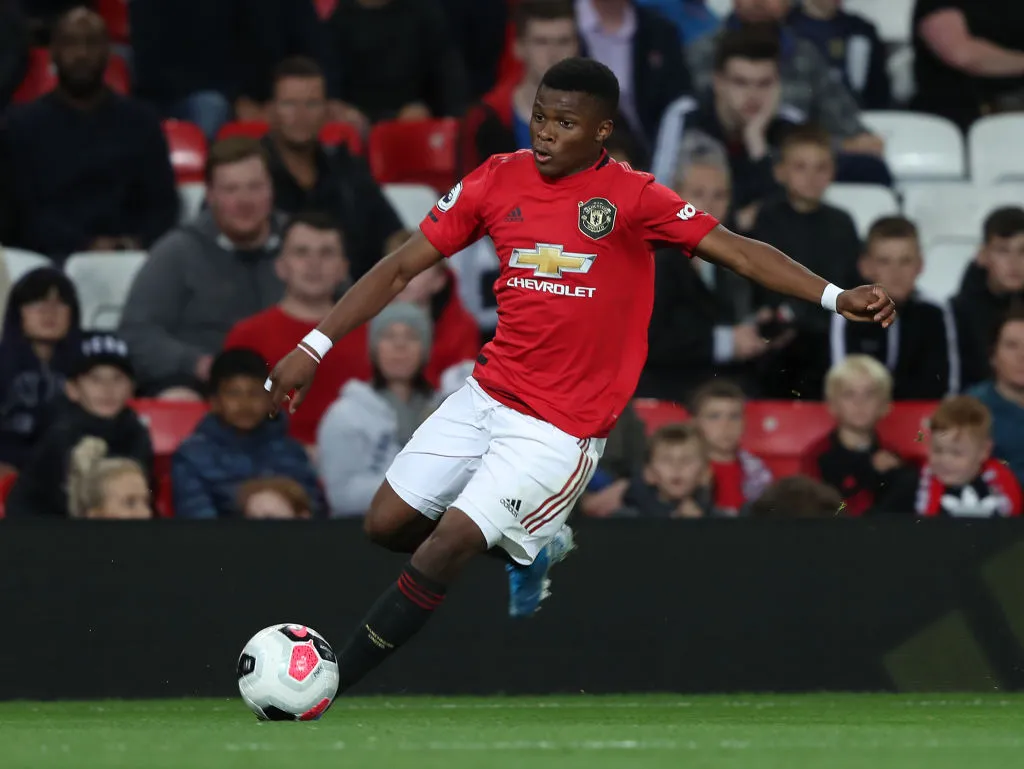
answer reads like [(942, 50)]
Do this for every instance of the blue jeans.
[(207, 109)]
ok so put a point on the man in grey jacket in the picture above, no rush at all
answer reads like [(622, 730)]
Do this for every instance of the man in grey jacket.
[(202, 278)]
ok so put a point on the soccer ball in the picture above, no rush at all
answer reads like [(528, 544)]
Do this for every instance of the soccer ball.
[(288, 673)]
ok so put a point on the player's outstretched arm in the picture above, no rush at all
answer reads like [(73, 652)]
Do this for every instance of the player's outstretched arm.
[(774, 270), (371, 293)]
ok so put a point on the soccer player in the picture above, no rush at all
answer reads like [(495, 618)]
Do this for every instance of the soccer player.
[(502, 462)]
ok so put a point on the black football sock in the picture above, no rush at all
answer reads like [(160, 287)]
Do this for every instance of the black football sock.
[(397, 615)]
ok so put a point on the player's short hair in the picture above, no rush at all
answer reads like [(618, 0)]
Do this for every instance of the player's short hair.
[(892, 228), (808, 135), (542, 10), (797, 496), (676, 434), (587, 76), (236, 362), (295, 66), (962, 412), (1004, 223), (854, 366), (314, 219), (233, 150), (753, 42), (721, 389)]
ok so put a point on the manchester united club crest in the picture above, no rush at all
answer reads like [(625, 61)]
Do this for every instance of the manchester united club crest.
[(597, 218)]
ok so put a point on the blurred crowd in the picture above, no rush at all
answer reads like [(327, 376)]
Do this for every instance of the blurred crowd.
[(751, 115)]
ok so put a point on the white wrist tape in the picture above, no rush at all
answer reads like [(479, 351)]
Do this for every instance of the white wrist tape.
[(316, 342), (829, 297)]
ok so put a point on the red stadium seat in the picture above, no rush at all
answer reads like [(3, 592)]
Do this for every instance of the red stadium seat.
[(41, 77), (654, 413), (337, 133), (256, 129), (417, 152), (188, 150), (169, 423), (785, 434), (115, 14), (905, 429), (325, 8), (6, 484)]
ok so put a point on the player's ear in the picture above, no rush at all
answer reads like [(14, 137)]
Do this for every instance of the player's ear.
[(604, 130)]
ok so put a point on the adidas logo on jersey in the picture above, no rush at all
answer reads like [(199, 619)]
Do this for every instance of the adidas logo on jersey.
[(513, 506), (515, 215)]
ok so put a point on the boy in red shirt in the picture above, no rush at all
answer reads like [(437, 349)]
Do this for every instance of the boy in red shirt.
[(313, 266)]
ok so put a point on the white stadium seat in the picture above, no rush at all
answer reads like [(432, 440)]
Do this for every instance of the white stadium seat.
[(864, 202), (19, 261), (103, 279), (996, 145), (411, 202), (919, 146), (892, 17), (944, 265), (192, 196), (956, 211)]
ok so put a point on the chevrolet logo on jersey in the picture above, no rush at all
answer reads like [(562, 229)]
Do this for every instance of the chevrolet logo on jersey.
[(548, 260)]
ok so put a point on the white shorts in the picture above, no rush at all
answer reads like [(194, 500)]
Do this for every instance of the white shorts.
[(515, 476)]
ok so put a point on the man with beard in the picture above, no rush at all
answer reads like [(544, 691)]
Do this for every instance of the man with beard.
[(90, 168)]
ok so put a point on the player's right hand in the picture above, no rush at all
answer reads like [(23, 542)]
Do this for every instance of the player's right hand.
[(290, 380)]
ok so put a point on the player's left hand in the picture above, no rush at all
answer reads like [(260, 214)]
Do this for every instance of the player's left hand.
[(867, 304)]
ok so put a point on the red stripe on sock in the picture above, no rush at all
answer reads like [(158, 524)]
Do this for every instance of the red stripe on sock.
[(417, 594), (568, 501), (554, 498)]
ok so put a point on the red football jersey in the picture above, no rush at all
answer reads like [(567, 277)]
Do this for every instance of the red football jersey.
[(576, 285)]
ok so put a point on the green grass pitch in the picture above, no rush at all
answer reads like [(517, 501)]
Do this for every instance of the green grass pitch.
[(580, 732)]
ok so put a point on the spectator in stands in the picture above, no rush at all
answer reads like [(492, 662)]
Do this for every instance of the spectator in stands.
[(1004, 393), (851, 46), (738, 476), (806, 83), (235, 443), (42, 15), (858, 390), (98, 388), (476, 269), (798, 497), (961, 479), (37, 350), (921, 348), (395, 59), (200, 61), (625, 452), (91, 168), (456, 337), (968, 57), (14, 40), (309, 176), (102, 487), (205, 276), (274, 499), (693, 18), (363, 431), (314, 270), (676, 479), (991, 285), (479, 32)]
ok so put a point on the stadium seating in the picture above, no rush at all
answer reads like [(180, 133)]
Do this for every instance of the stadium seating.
[(905, 428), (994, 143), (103, 280), (864, 202), (188, 150), (654, 413), (255, 129), (418, 152), (6, 484), (783, 433), (949, 211), (944, 265), (325, 8), (19, 261), (919, 146), (192, 196), (41, 77), (892, 17), (410, 201), (332, 134), (169, 423), (115, 14)]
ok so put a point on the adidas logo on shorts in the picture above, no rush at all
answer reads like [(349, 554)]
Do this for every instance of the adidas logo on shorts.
[(513, 506)]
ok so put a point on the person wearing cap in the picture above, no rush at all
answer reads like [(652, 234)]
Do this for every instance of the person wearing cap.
[(99, 385), (363, 431)]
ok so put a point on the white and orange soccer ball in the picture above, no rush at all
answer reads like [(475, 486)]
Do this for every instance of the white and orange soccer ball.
[(288, 673)]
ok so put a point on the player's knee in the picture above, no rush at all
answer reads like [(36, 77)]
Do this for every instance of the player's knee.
[(378, 529), (449, 547)]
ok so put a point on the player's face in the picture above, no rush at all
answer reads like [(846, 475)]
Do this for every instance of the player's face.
[(956, 456), (677, 470), (544, 43), (761, 10), (312, 263), (1008, 357), (721, 422), (241, 402), (125, 497), (400, 353), (47, 319), (894, 263), (568, 130), (80, 50), (806, 171), (858, 404), (298, 110), (240, 196), (102, 391), (745, 88), (707, 187), (1004, 260)]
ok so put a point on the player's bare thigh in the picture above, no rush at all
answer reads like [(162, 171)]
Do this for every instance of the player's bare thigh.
[(394, 524)]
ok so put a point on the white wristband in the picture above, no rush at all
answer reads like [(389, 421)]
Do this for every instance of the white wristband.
[(318, 342), (829, 297)]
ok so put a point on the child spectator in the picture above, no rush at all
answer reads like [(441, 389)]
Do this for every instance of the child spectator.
[(37, 350), (739, 476), (920, 348), (798, 496), (104, 487), (859, 393), (961, 479), (991, 285), (624, 454), (676, 479), (235, 442), (274, 498), (99, 386), (370, 423)]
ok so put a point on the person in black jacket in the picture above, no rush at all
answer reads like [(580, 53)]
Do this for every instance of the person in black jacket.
[(98, 390), (14, 39)]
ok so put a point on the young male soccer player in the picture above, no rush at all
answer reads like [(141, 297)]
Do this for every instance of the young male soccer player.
[(502, 462)]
